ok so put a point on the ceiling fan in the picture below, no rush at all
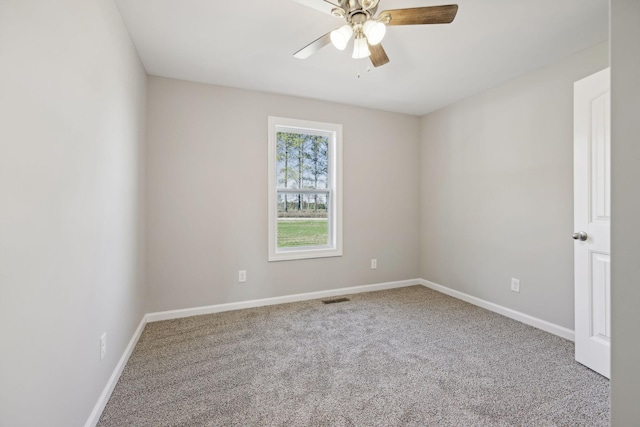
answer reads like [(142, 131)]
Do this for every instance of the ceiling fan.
[(367, 29)]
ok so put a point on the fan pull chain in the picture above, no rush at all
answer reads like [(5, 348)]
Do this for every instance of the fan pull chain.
[(358, 70)]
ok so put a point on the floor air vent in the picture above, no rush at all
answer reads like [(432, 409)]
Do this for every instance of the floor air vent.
[(335, 300)]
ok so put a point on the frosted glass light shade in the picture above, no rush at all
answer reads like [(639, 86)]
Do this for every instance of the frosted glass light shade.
[(341, 36), (360, 48), (374, 31)]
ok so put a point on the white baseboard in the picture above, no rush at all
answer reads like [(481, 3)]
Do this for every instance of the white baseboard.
[(113, 380), (218, 308), (552, 328), (176, 314)]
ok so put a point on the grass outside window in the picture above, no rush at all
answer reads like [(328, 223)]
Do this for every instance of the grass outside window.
[(294, 232)]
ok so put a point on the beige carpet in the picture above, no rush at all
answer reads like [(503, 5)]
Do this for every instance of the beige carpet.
[(404, 357)]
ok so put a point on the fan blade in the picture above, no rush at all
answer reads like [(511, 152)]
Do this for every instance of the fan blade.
[(421, 15), (324, 6), (378, 55), (313, 47)]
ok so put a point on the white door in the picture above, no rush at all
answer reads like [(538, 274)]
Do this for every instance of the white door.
[(592, 218)]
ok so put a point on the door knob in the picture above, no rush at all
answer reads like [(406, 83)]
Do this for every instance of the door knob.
[(580, 235)]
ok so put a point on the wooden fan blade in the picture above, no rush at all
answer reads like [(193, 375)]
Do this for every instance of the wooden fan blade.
[(313, 47), (324, 6), (421, 15), (378, 55)]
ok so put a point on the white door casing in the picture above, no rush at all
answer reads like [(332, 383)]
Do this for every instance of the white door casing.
[(592, 215)]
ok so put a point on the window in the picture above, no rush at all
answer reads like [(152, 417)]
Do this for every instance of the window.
[(305, 198)]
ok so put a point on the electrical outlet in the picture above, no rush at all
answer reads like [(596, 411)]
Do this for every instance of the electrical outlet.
[(242, 276), (374, 263), (515, 285), (103, 346)]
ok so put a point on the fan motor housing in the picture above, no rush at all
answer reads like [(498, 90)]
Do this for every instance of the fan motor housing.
[(354, 8), (358, 17)]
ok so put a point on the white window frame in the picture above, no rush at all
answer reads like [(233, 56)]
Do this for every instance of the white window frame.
[(334, 176)]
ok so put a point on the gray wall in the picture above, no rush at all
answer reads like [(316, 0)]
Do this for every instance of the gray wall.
[(497, 191), (207, 196), (72, 125), (625, 211), (72, 217)]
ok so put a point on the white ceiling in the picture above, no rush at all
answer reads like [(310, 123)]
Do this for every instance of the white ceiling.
[(249, 44)]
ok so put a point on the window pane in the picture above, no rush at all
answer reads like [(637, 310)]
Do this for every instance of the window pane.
[(305, 189), (302, 160), (302, 219)]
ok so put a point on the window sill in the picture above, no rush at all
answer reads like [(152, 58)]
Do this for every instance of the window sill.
[(297, 253)]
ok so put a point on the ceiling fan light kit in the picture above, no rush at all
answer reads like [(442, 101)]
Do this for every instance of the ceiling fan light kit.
[(374, 30), (360, 48), (368, 29), (340, 37)]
